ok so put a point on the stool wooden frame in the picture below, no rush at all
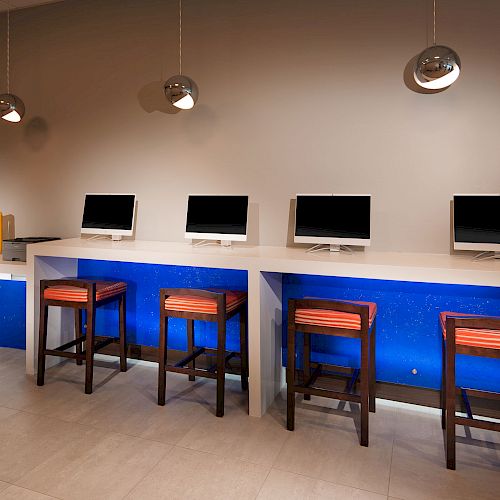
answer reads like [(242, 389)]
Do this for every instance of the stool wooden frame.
[(449, 391), (188, 364), (312, 371), (91, 345)]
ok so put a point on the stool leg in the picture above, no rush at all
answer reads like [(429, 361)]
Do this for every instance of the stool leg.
[(42, 342), (243, 349), (443, 386), (89, 348), (307, 361), (162, 358), (191, 348), (290, 379), (123, 333), (365, 389), (221, 365), (450, 406), (78, 334), (373, 376)]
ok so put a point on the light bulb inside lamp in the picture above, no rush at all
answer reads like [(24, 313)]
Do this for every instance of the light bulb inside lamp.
[(185, 102)]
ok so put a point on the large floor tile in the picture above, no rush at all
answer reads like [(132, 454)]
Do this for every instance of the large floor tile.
[(16, 493), (334, 454), (104, 465), (28, 440), (285, 485), (236, 435), (419, 471), (192, 474), (133, 409)]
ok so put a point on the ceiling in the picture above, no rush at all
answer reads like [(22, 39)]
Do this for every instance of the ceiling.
[(22, 4)]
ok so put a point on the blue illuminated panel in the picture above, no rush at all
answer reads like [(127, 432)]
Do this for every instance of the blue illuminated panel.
[(13, 314), (408, 332), (143, 300)]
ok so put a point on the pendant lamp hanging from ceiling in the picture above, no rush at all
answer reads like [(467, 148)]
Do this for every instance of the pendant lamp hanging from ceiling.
[(11, 107), (437, 66), (181, 90)]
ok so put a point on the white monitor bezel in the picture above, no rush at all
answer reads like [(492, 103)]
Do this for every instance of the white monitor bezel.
[(110, 232), (318, 240), (478, 247), (216, 236)]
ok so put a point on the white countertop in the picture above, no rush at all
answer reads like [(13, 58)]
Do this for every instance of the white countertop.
[(420, 267)]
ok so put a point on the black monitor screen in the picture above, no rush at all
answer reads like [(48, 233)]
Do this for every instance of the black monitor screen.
[(333, 216), (217, 214), (105, 211), (477, 219)]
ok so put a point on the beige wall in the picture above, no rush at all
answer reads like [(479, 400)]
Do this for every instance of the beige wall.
[(295, 96)]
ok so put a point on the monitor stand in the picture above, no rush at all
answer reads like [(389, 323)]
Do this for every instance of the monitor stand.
[(331, 248), (112, 237), (486, 256), (206, 243)]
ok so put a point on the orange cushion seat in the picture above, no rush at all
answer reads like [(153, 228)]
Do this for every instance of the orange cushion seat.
[(104, 290), (473, 337), (335, 319), (194, 304)]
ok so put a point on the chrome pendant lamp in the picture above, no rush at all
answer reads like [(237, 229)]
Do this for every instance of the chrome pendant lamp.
[(438, 66), (181, 90), (11, 107)]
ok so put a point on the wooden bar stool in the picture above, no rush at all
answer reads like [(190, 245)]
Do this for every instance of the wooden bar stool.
[(337, 318), (204, 305), (472, 335), (81, 294)]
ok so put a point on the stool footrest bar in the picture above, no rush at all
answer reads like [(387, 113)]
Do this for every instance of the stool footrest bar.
[(480, 424), (314, 391), (213, 368), (191, 357), (190, 371), (73, 343)]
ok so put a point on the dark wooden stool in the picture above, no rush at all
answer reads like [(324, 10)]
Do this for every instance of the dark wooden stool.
[(472, 335), (337, 318), (204, 305), (81, 294)]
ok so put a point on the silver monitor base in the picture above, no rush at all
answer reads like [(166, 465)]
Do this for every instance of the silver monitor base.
[(331, 248), (206, 243), (486, 256)]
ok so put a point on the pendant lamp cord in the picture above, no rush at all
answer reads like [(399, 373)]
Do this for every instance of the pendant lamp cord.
[(180, 37), (434, 27), (8, 49)]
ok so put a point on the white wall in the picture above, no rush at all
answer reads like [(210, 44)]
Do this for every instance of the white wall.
[(294, 97)]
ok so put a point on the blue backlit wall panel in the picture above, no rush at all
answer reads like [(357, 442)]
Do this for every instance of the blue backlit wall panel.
[(143, 300), (13, 314), (408, 333)]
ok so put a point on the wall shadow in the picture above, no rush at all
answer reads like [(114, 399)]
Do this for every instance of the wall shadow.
[(36, 133), (253, 224), (291, 224)]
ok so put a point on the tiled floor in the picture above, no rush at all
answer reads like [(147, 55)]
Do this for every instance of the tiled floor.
[(56, 442)]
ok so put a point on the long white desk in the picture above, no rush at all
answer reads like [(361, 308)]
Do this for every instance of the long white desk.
[(264, 266)]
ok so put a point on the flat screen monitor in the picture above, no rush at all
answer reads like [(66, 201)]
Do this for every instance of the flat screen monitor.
[(335, 219), (109, 214), (476, 222), (217, 217)]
